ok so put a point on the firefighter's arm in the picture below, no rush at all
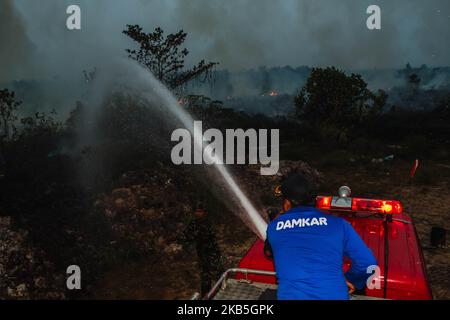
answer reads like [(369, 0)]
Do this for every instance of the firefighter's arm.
[(359, 254), (268, 249)]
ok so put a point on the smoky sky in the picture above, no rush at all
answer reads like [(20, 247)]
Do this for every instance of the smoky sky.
[(239, 34)]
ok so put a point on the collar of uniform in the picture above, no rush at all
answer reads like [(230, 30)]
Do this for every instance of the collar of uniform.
[(301, 209)]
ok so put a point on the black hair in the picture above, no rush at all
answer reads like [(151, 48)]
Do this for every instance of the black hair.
[(299, 189)]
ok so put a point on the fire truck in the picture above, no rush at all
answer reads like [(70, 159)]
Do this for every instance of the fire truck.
[(383, 225)]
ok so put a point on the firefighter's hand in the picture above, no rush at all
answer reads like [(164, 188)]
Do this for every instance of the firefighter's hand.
[(351, 287)]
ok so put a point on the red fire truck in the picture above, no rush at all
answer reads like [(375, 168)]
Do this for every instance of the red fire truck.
[(383, 225)]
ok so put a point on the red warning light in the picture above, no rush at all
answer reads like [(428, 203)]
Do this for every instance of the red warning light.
[(323, 202), (360, 205), (380, 206)]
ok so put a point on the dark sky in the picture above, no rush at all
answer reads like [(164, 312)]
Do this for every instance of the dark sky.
[(238, 33)]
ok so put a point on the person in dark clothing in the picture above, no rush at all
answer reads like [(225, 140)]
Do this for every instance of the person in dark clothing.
[(308, 247), (200, 233)]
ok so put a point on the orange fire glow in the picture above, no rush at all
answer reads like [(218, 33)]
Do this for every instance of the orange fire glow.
[(271, 93)]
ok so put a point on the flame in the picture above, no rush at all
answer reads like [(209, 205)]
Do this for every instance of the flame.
[(271, 93)]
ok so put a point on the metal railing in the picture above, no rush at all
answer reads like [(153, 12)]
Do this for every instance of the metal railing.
[(225, 275)]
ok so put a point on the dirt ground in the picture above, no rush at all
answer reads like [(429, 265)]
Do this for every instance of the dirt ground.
[(425, 199)]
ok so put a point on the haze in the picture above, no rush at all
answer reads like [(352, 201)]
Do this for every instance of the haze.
[(239, 34)]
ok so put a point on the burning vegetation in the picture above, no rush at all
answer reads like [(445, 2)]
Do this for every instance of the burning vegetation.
[(271, 93)]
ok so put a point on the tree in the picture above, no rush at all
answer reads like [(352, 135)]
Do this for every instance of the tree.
[(412, 79), (337, 103), (164, 56), (8, 106)]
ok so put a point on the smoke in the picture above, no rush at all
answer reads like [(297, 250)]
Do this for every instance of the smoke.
[(319, 32), (240, 34)]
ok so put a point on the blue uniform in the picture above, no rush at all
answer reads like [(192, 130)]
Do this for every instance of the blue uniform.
[(308, 248)]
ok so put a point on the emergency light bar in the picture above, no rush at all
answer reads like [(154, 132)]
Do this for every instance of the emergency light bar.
[(358, 204)]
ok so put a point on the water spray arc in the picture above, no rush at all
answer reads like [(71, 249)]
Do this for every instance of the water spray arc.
[(259, 226)]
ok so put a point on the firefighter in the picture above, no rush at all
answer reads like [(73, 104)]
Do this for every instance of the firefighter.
[(308, 247), (200, 233)]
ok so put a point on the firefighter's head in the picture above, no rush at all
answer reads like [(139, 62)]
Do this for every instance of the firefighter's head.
[(298, 190)]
